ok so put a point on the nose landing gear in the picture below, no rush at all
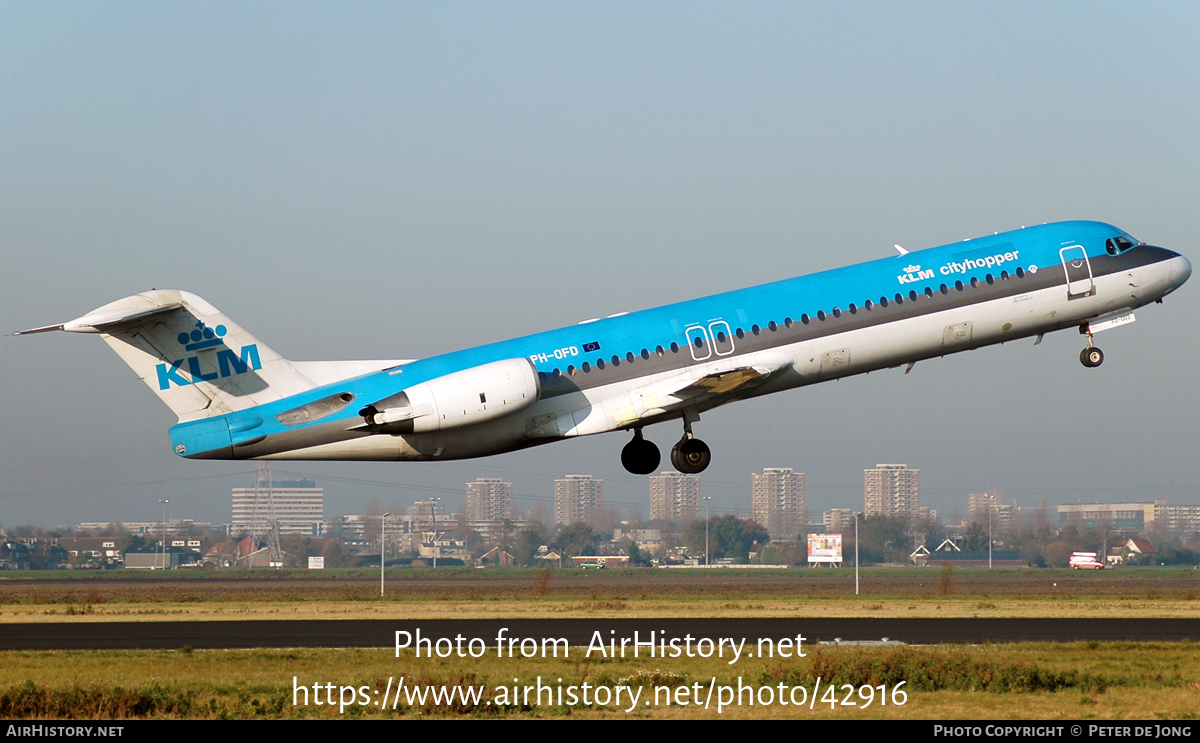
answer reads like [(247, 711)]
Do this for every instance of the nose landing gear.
[(1091, 357), (691, 455), (640, 456)]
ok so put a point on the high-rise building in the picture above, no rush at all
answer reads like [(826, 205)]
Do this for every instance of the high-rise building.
[(298, 506), (577, 498), (427, 515), (777, 501), (978, 504), (675, 496), (489, 499), (1176, 518), (891, 490), (839, 519)]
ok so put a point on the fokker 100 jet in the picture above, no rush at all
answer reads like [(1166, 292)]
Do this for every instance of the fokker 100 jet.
[(238, 399)]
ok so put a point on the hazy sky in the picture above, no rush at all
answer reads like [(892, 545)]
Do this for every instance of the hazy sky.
[(398, 180)]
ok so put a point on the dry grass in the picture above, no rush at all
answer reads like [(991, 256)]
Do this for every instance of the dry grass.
[(600, 605), (1021, 681), (454, 593)]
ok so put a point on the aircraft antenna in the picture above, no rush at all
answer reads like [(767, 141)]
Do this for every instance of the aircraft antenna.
[(903, 251)]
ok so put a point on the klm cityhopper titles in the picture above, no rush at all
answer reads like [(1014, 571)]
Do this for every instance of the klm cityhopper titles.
[(238, 399)]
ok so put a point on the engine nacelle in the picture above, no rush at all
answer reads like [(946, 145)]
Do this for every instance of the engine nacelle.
[(463, 398)]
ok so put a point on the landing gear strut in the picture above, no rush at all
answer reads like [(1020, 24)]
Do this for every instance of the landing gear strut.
[(690, 455), (1091, 356), (640, 456)]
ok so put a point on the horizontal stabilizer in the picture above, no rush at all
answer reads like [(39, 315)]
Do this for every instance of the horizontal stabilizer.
[(198, 361), (110, 317)]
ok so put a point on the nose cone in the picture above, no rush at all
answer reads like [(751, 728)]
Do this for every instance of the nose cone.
[(1181, 270)]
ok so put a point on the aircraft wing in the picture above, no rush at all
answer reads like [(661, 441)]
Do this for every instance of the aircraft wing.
[(721, 385)]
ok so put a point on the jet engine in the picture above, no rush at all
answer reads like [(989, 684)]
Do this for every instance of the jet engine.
[(463, 398)]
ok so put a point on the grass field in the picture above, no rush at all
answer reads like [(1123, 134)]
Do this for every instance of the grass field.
[(431, 594), (1019, 681), (1014, 681)]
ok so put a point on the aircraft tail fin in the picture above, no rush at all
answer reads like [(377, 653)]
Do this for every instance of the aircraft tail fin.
[(198, 361)]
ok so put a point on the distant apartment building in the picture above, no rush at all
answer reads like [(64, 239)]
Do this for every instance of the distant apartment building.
[(174, 527), (577, 498), (978, 505), (1177, 518), (838, 520), (426, 515), (891, 490), (1119, 516), (675, 496), (489, 499), (925, 514), (297, 506), (777, 501)]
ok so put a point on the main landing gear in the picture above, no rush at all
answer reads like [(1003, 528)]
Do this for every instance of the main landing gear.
[(690, 455), (640, 456)]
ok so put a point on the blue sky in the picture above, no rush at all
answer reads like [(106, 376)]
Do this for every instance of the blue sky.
[(399, 180)]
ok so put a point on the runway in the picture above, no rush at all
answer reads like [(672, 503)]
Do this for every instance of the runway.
[(373, 633)]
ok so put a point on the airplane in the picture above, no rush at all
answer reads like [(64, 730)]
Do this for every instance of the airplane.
[(236, 398)]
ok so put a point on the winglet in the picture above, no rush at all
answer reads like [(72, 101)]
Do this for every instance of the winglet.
[(902, 250)]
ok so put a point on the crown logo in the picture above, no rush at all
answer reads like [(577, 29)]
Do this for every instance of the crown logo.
[(202, 337), (911, 268)]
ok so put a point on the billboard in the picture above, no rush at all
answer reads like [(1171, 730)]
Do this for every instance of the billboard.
[(824, 548)]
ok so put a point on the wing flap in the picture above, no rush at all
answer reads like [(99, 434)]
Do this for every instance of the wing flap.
[(722, 385)]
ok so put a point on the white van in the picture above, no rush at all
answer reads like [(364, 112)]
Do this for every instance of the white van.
[(1085, 561)]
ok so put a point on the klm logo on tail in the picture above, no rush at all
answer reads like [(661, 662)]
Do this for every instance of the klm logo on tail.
[(228, 363)]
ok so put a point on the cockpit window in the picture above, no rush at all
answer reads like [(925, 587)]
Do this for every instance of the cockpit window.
[(1118, 245)]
